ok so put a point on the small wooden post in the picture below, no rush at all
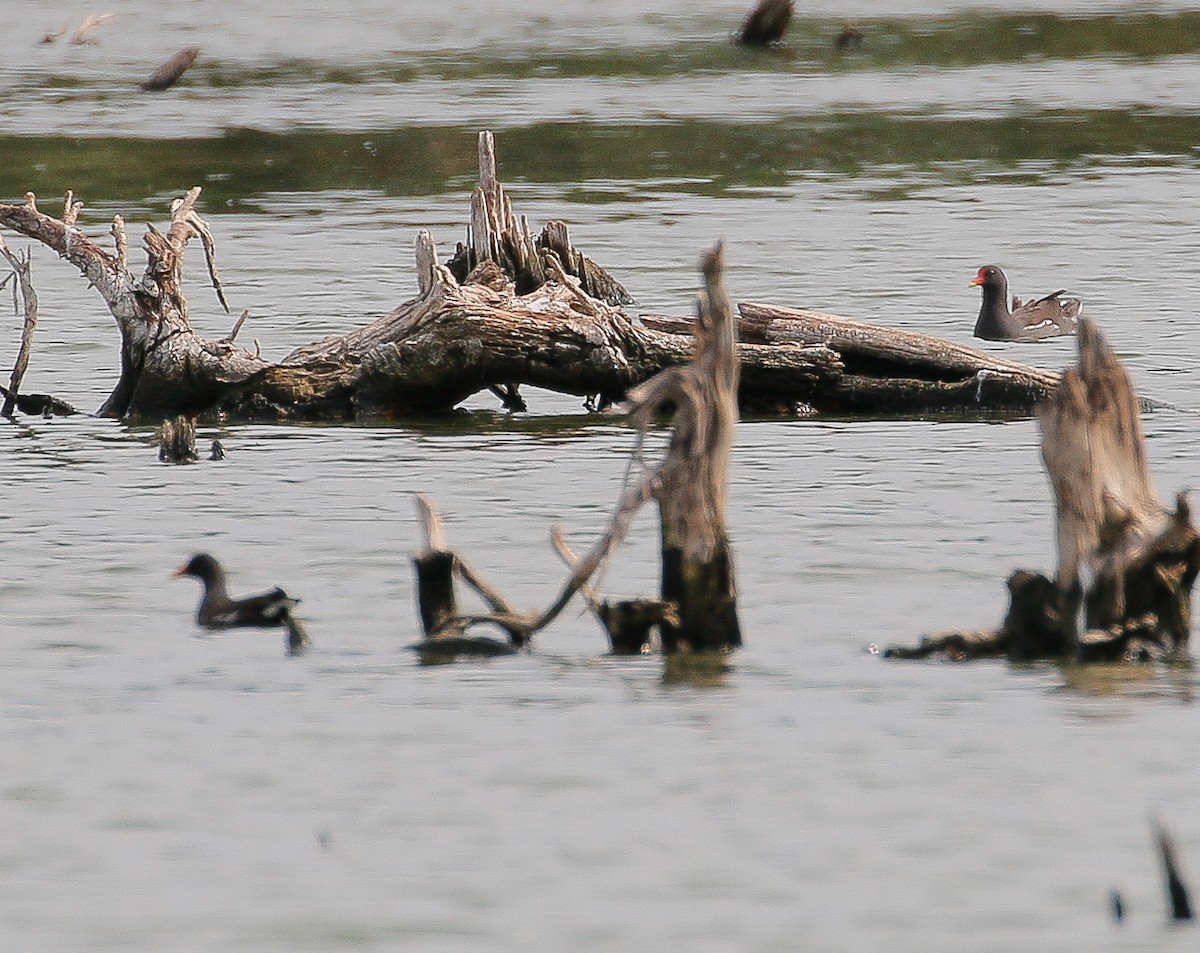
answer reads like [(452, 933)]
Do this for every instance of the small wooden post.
[(435, 573)]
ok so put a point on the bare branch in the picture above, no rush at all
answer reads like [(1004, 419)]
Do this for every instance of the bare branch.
[(558, 537), (53, 36), (232, 336), (21, 265), (432, 523), (210, 255), (90, 22), (121, 242), (71, 209)]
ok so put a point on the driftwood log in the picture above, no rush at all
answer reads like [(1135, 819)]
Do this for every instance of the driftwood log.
[(508, 309), (1126, 563), (697, 610)]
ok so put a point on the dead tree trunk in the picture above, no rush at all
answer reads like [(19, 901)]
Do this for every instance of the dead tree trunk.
[(697, 563), (166, 369), (1124, 560), (507, 310)]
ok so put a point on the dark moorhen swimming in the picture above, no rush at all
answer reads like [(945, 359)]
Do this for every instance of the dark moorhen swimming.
[(1047, 317), (218, 611)]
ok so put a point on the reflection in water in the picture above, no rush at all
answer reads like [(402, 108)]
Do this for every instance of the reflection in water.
[(702, 671), (1175, 681)]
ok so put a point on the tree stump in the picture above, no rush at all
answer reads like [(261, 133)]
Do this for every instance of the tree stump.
[(697, 562), (1125, 561)]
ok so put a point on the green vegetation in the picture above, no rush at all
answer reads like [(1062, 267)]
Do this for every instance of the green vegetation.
[(703, 157)]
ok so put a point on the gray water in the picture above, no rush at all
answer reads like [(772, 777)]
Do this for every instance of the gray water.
[(167, 790)]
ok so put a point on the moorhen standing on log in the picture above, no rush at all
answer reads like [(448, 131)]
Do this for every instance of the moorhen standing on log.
[(1047, 317), (218, 611)]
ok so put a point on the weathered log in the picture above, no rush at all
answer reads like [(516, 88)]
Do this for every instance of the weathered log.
[(1139, 559), (1123, 558), (882, 369), (476, 331)]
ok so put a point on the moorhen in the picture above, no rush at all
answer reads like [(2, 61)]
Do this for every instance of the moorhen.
[(218, 611), (1047, 317)]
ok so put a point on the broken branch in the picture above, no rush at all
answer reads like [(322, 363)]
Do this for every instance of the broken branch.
[(21, 266)]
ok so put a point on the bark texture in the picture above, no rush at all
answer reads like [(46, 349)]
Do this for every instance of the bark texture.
[(1126, 562), (697, 612), (697, 561), (508, 310)]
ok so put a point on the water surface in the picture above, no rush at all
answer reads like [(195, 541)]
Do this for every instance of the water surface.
[(165, 790)]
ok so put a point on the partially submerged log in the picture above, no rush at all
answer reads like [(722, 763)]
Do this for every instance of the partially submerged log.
[(1126, 562), (507, 311), (878, 369)]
